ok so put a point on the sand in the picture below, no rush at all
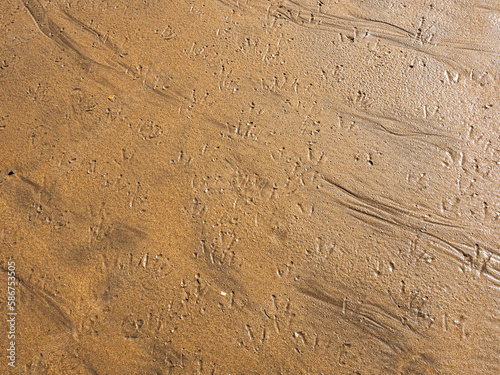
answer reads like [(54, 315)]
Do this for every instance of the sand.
[(251, 187)]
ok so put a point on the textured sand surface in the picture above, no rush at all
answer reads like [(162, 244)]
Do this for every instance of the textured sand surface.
[(251, 187)]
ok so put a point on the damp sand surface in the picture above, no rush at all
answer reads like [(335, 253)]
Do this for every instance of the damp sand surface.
[(251, 187)]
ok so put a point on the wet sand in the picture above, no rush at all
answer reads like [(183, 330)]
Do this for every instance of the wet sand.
[(251, 187)]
